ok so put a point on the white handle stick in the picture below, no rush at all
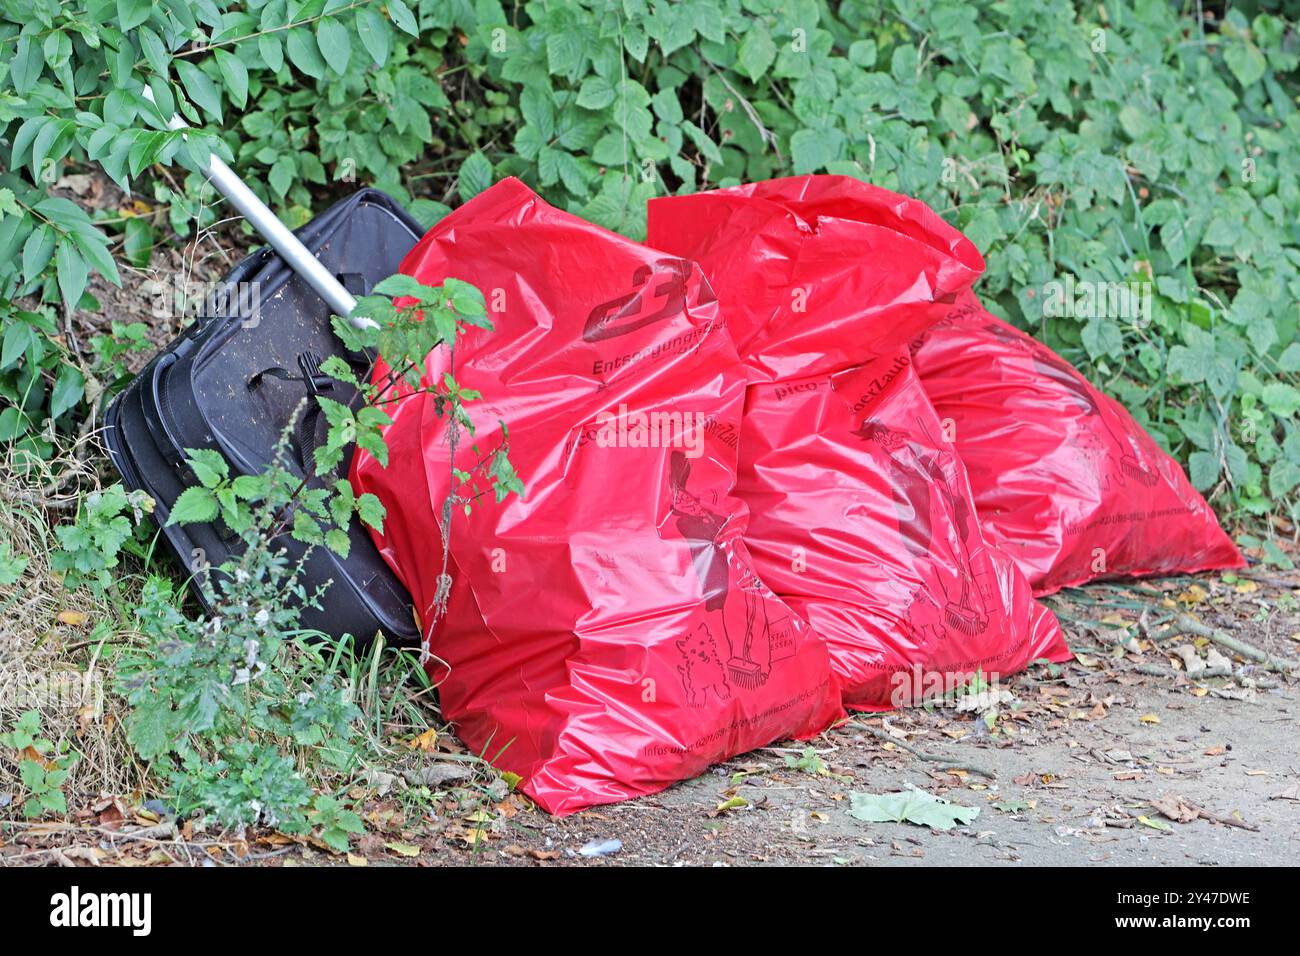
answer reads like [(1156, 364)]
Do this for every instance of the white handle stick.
[(298, 257)]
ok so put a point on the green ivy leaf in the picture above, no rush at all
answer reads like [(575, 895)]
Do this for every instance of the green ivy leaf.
[(335, 44), (376, 35), (199, 88), (475, 176), (194, 506)]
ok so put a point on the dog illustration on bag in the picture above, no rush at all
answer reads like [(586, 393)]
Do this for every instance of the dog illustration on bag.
[(749, 661), (926, 618), (924, 485), (702, 669)]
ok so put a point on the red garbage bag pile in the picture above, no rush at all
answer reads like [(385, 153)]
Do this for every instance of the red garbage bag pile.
[(606, 634), (862, 518), (1065, 481), (806, 473)]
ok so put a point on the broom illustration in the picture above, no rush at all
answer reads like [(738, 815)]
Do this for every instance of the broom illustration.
[(961, 615), (964, 614), (742, 668)]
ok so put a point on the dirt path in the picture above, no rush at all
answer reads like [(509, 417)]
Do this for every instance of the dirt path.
[(1117, 758), (1077, 761)]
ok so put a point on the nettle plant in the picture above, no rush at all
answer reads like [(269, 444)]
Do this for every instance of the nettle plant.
[(43, 766), (228, 705)]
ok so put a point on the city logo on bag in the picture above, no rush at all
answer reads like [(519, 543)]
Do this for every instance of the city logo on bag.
[(658, 292), (77, 909)]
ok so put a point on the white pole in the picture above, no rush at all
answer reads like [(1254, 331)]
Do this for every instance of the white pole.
[(298, 256)]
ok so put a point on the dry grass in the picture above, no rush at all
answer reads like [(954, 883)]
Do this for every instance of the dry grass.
[(53, 642)]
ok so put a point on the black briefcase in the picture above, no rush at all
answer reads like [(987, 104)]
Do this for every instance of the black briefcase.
[(238, 378)]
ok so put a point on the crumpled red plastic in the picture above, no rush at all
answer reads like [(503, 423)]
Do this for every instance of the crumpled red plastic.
[(1065, 481), (862, 521), (817, 273), (862, 518), (605, 634)]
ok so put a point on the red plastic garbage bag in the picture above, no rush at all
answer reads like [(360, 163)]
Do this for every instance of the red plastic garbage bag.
[(817, 273), (606, 634), (862, 520), (1065, 481), (861, 515)]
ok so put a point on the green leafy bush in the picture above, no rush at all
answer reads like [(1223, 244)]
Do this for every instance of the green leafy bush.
[(42, 766), (1116, 143), (89, 546), (223, 706), (1138, 144)]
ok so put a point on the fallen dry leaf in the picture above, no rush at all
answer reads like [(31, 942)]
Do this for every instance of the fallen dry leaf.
[(427, 741), (31, 753), (1175, 809)]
